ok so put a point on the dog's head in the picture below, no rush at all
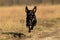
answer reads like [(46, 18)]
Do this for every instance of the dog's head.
[(30, 13)]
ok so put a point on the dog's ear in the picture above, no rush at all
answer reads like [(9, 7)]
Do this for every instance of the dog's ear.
[(34, 9), (26, 9)]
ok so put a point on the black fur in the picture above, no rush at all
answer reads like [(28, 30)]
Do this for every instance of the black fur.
[(31, 18)]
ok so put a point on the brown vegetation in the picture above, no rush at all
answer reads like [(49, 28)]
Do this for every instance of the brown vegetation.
[(12, 19)]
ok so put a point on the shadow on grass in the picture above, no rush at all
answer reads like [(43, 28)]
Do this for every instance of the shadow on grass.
[(14, 34)]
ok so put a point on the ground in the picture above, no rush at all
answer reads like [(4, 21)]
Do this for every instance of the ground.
[(13, 19)]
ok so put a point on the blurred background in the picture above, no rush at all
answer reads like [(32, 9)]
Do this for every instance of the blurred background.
[(27, 2)]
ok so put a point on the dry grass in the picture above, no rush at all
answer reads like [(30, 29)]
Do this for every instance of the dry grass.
[(12, 19)]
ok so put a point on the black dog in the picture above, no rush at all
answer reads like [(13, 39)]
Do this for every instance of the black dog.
[(31, 18)]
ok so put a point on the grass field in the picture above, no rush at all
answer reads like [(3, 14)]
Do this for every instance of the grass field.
[(12, 19)]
